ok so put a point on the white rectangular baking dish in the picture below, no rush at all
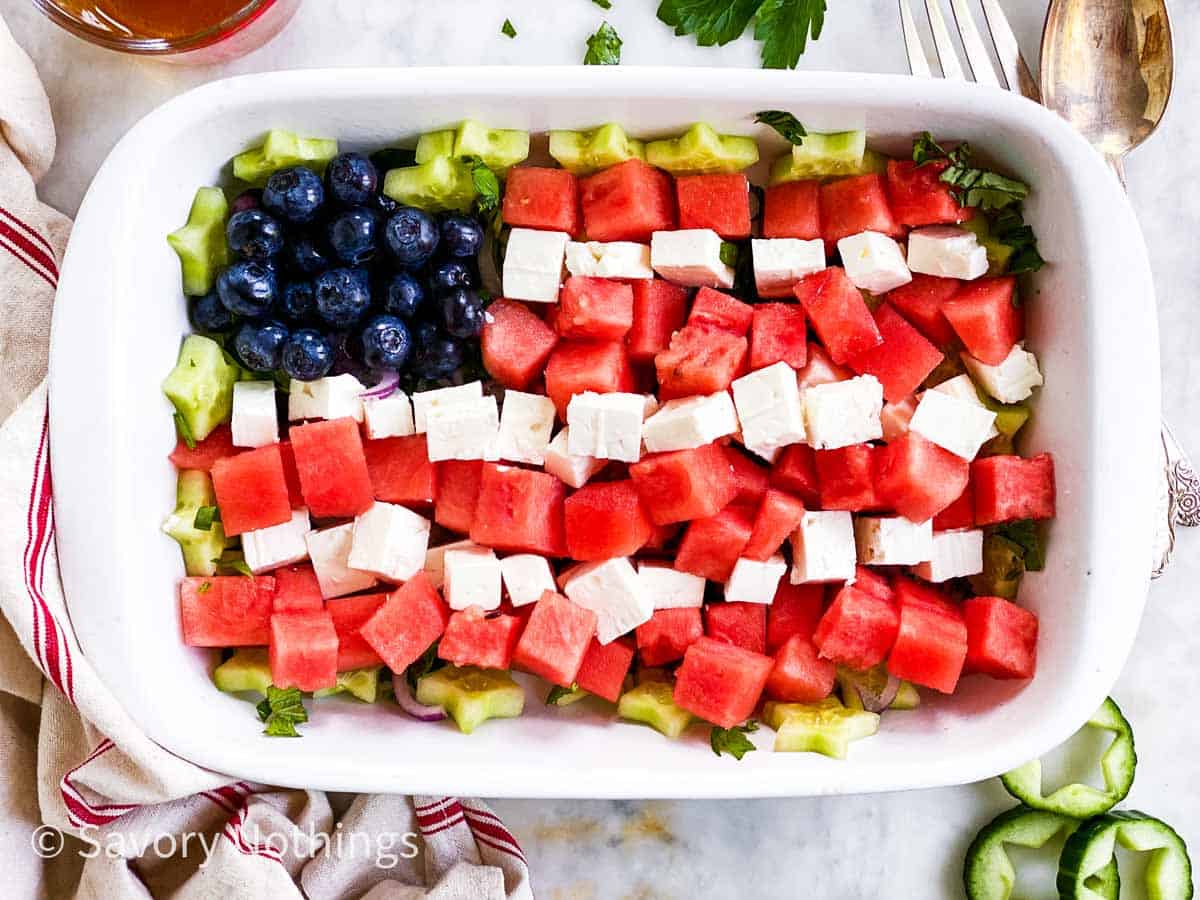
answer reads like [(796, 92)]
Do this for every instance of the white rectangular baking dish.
[(119, 317)]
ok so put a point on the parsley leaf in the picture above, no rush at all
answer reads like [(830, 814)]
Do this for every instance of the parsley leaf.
[(785, 123), (205, 516), (711, 21), (282, 711), (603, 47), (603, 4), (1024, 533), (507, 29), (784, 26), (733, 740), (185, 431)]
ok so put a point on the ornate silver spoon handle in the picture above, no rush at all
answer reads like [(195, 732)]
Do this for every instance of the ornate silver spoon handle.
[(1179, 500)]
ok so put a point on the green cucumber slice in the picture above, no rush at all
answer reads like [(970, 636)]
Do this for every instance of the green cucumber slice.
[(249, 669), (201, 385), (701, 151), (434, 144), (200, 244), (201, 548), (828, 156), (1003, 568), (280, 150), (826, 727), (875, 680), (1082, 800), (653, 702), (471, 696), (499, 148), (360, 683), (439, 185), (1089, 853), (585, 152), (564, 696)]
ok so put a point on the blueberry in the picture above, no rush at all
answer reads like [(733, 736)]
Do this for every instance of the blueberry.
[(248, 288), (252, 234), (351, 179), (247, 199), (462, 313), (294, 194), (259, 345), (403, 295), (304, 255), (386, 343), (412, 236), (449, 276), (342, 296), (352, 234), (209, 314), (424, 332), (298, 301), (307, 355), (462, 236), (437, 356)]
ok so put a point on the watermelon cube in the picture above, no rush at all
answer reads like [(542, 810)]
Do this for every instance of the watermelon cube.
[(659, 310), (749, 477), (741, 624), (291, 474), (796, 473), (332, 467), (778, 516), (251, 489), (959, 514), (857, 630), (792, 210), (1001, 638), (457, 493), (473, 639), (594, 308), (578, 366), (902, 361), (920, 302), (684, 484), (820, 369), (796, 609), (985, 318), (838, 313), (699, 360), (519, 511), (847, 477), (718, 310), (304, 650), (931, 642), (516, 343), (918, 196), (720, 202), (778, 333), (710, 547), (919, 479), (719, 682), (605, 520), (668, 633), (799, 674), (218, 445), (872, 582), (628, 202), (854, 205), (297, 589), (411, 619), (604, 668), (400, 470), (555, 640), (542, 198), (226, 610), (1007, 488), (349, 615)]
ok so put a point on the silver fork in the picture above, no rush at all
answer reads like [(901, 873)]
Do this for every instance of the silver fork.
[(1179, 489)]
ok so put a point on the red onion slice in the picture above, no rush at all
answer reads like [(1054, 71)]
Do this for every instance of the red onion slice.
[(409, 703), (877, 703), (387, 385)]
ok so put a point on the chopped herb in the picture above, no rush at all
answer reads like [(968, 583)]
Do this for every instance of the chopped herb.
[(205, 516), (1024, 533), (603, 47), (507, 29), (204, 588), (971, 186), (729, 253), (733, 740), (427, 662), (282, 711), (783, 26), (185, 431), (558, 692), (785, 123), (712, 22), (1010, 229), (603, 4)]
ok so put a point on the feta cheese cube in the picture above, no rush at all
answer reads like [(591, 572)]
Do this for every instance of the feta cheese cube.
[(962, 387), (390, 542), (435, 560), (615, 259), (329, 550), (606, 426), (652, 406), (572, 470), (278, 545), (332, 397), (895, 418), (691, 422), (668, 588), (956, 554), (613, 591), (463, 430), (1010, 382), (526, 577), (564, 577), (255, 422), (389, 416), (823, 547), (844, 412), (947, 252), (424, 401), (769, 407), (820, 369), (533, 264), (892, 540), (957, 425), (472, 578), (780, 262), (874, 262), (755, 582), (525, 424), (767, 454), (690, 257)]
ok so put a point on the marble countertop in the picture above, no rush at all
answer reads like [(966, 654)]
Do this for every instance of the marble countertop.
[(597, 850)]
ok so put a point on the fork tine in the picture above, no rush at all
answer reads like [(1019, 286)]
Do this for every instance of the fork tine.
[(917, 63), (977, 55), (947, 55), (1012, 63)]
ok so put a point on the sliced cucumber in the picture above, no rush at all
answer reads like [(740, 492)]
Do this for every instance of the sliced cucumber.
[(1082, 800), (441, 184), (561, 696), (653, 702), (249, 669), (360, 683), (585, 152), (200, 244), (201, 385), (1003, 568), (825, 727), (1010, 417), (434, 144), (499, 148), (471, 696), (874, 680), (998, 253), (201, 548), (1089, 855), (828, 156), (280, 150), (701, 151)]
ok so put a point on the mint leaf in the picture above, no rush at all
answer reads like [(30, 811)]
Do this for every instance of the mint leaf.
[(603, 47), (733, 740), (507, 29), (603, 4), (1024, 533), (784, 27), (185, 431), (205, 516), (926, 149), (785, 123), (712, 22), (1010, 229), (971, 186), (282, 711), (729, 253)]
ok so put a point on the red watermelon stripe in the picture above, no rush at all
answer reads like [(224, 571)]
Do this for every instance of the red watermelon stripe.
[(28, 229)]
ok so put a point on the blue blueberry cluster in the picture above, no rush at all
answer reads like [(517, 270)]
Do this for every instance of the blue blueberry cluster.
[(331, 275)]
